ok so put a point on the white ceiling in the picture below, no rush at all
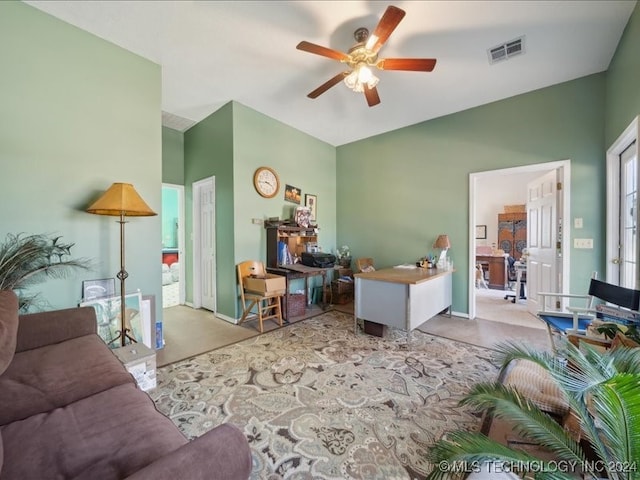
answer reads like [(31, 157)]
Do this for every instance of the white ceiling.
[(212, 52)]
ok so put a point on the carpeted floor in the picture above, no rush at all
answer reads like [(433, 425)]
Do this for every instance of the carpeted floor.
[(316, 400)]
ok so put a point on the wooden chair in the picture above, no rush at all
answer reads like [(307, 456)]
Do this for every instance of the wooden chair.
[(268, 305), (365, 264)]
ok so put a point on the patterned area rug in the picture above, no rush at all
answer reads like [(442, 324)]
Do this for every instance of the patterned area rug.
[(317, 401)]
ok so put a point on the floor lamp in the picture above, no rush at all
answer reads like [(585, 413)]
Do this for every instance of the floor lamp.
[(121, 200)]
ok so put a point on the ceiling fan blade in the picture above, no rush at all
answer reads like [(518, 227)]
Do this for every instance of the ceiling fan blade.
[(409, 64), (387, 24), (372, 96), (324, 51), (327, 85)]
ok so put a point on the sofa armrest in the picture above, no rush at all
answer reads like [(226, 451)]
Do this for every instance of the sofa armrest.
[(220, 453), (45, 328)]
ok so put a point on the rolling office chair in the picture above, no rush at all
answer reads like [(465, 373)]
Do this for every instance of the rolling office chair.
[(517, 276)]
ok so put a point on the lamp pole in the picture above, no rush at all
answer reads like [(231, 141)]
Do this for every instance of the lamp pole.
[(122, 276)]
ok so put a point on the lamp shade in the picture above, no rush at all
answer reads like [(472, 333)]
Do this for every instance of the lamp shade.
[(442, 242), (121, 199)]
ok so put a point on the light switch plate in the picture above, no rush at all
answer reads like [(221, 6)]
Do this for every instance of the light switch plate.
[(577, 222), (583, 243)]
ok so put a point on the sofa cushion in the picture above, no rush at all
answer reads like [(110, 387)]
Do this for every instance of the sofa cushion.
[(55, 375), (109, 435), (8, 327)]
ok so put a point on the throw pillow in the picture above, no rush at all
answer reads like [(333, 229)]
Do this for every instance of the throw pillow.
[(8, 327)]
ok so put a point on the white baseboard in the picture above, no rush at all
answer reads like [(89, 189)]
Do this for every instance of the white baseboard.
[(226, 318)]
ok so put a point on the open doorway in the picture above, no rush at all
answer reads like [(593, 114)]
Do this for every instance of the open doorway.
[(173, 284), (490, 192)]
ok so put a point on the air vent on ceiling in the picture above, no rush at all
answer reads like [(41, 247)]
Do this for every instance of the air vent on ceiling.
[(506, 50)]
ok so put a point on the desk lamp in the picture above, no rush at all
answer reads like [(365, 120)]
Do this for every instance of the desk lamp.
[(443, 243)]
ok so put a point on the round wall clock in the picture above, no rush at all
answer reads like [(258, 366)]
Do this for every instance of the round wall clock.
[(266, 182)]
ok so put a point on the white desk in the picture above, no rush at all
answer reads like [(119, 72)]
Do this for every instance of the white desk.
[(401, 298)]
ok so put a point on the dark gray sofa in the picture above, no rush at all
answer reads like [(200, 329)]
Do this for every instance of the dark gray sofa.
[(70, 410)]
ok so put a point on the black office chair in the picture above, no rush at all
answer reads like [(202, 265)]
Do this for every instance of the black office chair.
[(512, 277)]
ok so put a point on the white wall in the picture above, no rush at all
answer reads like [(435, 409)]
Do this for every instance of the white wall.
[(493, 193)]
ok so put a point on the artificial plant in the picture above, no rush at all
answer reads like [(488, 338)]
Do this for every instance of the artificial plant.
[(602, 390), (26, 260)]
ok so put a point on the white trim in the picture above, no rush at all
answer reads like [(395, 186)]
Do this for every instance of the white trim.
[(564, 167), (227, 318), (631, 133)]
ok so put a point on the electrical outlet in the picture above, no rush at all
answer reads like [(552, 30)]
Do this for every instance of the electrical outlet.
[(583, 243), (257, 221)]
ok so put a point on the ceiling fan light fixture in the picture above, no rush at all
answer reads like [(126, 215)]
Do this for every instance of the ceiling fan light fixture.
[(360, 76)]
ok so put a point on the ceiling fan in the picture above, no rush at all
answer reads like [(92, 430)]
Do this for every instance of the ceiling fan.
[(364, 55)]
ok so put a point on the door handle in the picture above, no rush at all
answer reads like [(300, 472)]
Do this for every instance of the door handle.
[(616, 261)]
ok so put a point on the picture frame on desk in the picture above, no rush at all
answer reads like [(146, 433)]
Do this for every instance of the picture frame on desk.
[(311, 201), (481, 232)]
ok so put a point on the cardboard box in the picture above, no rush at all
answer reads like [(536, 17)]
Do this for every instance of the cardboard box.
[(267, 284), (140, 361)]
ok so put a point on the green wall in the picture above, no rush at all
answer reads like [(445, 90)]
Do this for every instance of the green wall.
[(209, 152), (623, 81), (78, 114), (172, 156), (230, 144), (170, 213), (299, 159), (416, 179)]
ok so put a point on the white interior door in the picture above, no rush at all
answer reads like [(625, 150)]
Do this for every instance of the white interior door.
[(543, 263), (204, 248)]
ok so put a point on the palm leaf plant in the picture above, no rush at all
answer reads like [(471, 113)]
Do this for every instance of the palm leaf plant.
[(26, 260), (601, 389)]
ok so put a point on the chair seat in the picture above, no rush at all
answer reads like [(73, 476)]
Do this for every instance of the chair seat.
[(564, 322)]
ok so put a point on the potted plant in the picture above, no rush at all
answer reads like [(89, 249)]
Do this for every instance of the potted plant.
[(26, 260), (601, 390), (343, 256)]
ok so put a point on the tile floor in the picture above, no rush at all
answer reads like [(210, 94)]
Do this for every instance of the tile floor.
[(189, 332)]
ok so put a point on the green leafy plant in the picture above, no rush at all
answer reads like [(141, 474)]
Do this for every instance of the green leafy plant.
[(26, 260), (611, 329), (602, 391)]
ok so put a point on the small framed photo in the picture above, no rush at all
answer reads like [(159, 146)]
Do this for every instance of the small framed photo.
[(481, 232), (104, 287), (292, 194), (311, 201)]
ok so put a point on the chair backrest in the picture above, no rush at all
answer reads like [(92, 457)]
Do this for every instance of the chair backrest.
[(364, 264), (621, 296)]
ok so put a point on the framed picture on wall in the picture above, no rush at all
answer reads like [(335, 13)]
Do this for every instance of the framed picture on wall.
[(311, 201), (292, 194), (481, 232)]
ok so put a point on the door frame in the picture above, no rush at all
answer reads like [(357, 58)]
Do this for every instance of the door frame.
[(563, 166), (197, 260), (182, 289), (613, 197)]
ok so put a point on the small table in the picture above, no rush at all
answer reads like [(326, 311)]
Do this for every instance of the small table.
[(297, 270)]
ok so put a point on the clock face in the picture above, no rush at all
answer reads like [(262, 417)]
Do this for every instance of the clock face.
[(266, 182)]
